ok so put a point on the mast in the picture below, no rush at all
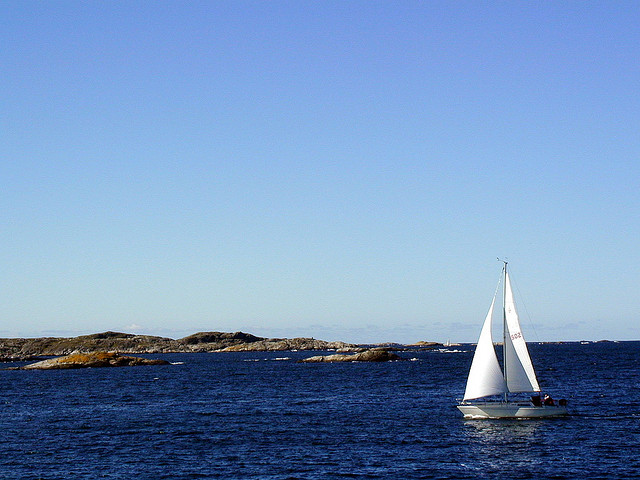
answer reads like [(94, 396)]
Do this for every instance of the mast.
[(504, 329)]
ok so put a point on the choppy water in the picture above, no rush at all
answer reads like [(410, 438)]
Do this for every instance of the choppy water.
[(259, 416)]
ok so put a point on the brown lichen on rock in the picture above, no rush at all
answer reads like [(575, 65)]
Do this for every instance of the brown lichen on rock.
[(92, 360)]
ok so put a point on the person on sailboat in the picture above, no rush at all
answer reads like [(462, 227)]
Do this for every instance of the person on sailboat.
[(548, 401)]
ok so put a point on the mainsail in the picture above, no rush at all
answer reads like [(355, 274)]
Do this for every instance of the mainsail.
[(485, 376), (518, 367)]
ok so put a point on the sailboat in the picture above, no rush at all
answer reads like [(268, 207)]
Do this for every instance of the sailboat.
[(487, 381)]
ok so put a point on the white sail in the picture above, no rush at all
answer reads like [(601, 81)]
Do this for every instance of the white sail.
[(485, 376), (486, 379), (518, 367)]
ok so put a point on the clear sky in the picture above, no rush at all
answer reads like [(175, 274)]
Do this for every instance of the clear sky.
[(341, 170)]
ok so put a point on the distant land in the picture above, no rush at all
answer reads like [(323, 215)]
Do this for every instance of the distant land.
[(12, 348)]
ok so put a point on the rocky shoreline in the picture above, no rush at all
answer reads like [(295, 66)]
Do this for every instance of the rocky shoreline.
[(16, 349), (113, 349)]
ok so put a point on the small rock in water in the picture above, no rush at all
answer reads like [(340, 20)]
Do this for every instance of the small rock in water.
[(375, 355)]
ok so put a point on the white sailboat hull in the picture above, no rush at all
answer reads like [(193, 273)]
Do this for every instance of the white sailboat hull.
[(510, 410)]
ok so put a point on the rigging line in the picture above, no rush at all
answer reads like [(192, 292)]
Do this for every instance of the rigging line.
[(524, 305)]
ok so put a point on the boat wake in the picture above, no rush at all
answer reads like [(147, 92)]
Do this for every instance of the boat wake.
[(605, 416)]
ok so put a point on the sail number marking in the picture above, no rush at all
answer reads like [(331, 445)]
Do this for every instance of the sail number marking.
[(515, 336)]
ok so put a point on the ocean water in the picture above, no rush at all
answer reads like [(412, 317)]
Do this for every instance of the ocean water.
[(264, 416)]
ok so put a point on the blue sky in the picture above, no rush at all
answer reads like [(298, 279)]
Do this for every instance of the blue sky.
[(341, 170)]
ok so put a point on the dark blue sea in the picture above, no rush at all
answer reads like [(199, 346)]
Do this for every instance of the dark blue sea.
[(264, 416)]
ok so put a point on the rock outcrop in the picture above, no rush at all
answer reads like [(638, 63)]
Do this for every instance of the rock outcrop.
[(375, 355), (97, 342), (423, 343), (217, 340), (135, 344), (280, 344), (92, 360)]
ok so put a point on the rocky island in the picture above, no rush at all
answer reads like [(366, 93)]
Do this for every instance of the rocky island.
[(92, 360), (127, 343), (373, 355)]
